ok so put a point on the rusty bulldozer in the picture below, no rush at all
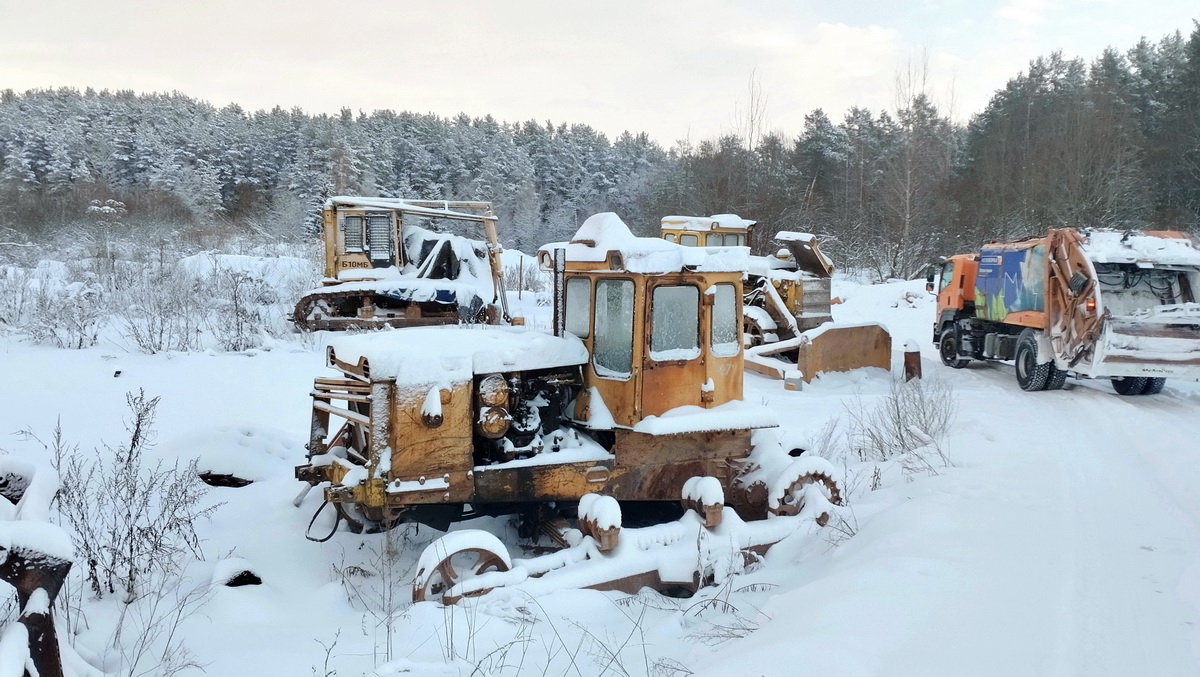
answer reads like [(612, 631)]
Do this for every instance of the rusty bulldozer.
[(385, 264), (787, 319), (635, 400)]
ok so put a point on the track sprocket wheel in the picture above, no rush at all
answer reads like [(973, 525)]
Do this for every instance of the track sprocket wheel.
[(809, 481)]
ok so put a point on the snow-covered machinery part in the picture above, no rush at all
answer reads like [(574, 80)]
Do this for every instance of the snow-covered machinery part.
[(383, 266), (785, 294), (1094, 303), (705, 546), (641, 393), (786, 314)]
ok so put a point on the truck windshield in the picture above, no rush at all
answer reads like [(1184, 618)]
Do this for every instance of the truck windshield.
[(947, 275), (1126, 288)]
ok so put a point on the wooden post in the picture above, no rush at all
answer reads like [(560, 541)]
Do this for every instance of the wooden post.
[(30, 571), (912, 360)]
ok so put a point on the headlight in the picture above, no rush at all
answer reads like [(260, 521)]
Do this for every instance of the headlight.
[(493, 391), (493, 422)]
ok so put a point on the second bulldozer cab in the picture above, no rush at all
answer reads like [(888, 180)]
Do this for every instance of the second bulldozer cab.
[(722, 230), (365, 234), (389, 262), (661, 322)]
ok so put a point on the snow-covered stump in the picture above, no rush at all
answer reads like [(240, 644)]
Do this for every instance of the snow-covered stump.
[(38, 577), (912, 360), (35, 557)]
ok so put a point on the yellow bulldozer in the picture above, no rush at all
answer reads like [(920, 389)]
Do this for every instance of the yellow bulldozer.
[(785, 294), (386, 263), (634, 399), (786, 305)]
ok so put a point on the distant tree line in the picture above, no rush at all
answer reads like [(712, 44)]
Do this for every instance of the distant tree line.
[(1114, 142)]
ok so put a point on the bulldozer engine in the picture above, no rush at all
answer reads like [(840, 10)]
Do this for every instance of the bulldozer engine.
[(518, 411)]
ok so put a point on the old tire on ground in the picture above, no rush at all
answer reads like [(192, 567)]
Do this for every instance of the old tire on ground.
[(1031, 376), (1129, 385), (448, 561), (1057, 378), (1154, 386), (948, 346)]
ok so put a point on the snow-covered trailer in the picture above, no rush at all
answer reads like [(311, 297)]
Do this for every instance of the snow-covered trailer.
[(1094, 303), (638, 393), (383, 267)]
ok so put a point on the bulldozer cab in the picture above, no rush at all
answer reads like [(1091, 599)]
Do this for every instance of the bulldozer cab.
[(722, 230), (661, 323), (363, 235)]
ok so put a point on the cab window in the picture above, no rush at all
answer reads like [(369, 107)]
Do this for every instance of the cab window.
[(675, 323), (669, 237), (689, 240), (612, 348), (947, 275), (726, 337), (579, 306)]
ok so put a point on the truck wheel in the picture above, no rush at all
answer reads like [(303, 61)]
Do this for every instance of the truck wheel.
[(1057, 378), (1154, 386), (948, 348), (1129, 385), (1031, 376)]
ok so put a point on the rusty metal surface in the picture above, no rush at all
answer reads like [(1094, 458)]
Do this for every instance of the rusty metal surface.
[(844, 349)]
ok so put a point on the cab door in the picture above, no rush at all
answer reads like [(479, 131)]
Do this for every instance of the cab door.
[(673, 366)]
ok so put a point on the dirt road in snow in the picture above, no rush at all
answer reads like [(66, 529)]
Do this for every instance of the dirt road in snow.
[(1121, 526)]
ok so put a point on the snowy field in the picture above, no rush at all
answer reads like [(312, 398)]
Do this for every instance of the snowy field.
[(1060, 535)]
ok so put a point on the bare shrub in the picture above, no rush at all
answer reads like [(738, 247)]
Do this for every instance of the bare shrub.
[(239, 322), (131, 521), (526, 277), (69, 317), (133, 528), (381, 588), (15, 296), (162, 311), (908, 425)]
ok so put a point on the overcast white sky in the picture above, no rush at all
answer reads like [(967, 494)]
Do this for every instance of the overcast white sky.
[(672, 68)]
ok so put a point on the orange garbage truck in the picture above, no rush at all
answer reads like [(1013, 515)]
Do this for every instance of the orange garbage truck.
[(1096, 303)]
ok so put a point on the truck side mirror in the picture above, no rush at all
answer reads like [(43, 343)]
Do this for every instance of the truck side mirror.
[(929, 286)]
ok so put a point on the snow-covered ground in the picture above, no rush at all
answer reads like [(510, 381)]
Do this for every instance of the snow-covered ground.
[(1064, 539)]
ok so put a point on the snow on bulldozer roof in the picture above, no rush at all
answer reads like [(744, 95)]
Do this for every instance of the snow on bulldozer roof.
[(606, 232), (418, 207), (1131, 246), (421, 356), (707, 223)]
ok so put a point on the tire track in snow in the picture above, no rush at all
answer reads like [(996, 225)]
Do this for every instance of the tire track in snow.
[(1127, 523)]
